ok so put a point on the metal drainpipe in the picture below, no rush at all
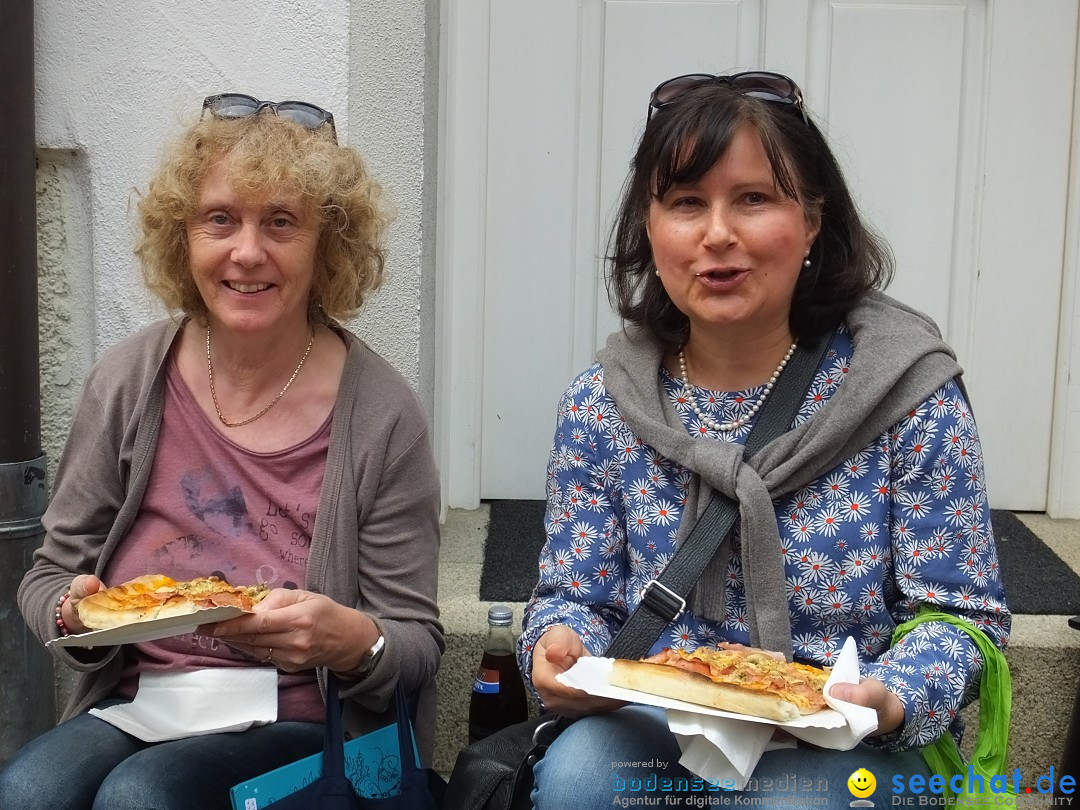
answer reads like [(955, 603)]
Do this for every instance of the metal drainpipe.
[(27, 693)]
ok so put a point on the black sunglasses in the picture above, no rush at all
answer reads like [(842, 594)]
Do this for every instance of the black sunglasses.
[(238, 105), (756, 83)]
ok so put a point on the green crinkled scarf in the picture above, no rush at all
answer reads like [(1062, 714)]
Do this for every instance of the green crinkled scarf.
[(995, 708)]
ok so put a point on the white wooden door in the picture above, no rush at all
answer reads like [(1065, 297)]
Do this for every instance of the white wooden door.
[(951, 117)]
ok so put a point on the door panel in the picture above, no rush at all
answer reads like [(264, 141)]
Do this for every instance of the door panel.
[(678, 37), (1019, 251), (902, 151), (955, 145), (529, 263)]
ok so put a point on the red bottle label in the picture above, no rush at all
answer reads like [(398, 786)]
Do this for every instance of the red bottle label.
[(487, 681)]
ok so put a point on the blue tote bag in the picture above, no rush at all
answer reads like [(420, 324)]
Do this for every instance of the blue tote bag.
[(421, 788)]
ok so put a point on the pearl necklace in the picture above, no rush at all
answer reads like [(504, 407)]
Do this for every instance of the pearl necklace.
[(735, 424), (213, 393)]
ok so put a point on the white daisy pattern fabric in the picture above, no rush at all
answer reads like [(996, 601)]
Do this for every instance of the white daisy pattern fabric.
[(901, 524)]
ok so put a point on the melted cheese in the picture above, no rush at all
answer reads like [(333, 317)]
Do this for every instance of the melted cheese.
[(752, 669)]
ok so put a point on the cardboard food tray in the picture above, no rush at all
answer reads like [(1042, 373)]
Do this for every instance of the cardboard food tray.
[(150, 630), (592, 674)]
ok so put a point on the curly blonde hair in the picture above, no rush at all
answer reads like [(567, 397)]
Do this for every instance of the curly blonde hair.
[(267, 153)]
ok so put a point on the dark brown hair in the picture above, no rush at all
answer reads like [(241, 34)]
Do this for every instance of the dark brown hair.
[(681, 143)]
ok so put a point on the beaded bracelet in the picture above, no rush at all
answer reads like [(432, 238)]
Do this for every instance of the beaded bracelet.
[(60, 614)]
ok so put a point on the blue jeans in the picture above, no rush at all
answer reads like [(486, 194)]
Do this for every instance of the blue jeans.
[(586, 768), (86, 763)]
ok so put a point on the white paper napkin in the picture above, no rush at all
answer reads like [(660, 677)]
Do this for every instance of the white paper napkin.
[(860, 719), (175, 705), (725, 747), (726, 750)]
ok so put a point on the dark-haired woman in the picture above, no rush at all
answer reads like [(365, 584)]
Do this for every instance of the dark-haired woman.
[(737, 239)]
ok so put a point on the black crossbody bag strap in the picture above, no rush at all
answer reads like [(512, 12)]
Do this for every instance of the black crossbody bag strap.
[(664, 598)]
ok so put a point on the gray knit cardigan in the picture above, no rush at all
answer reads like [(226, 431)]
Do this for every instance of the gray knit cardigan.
[(375, 544)]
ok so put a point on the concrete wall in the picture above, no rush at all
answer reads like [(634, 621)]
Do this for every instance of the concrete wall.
[(115, 82), (65, 292), (394, 109)]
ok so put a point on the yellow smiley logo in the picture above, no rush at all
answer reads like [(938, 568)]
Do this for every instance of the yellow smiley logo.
[(861, 783)]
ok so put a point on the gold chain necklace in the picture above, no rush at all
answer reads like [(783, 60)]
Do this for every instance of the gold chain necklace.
[(213, 393)]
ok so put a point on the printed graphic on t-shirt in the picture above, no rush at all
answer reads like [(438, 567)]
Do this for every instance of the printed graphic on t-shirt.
[(219, 506), (289, 530), (258, 538), (214, 508)]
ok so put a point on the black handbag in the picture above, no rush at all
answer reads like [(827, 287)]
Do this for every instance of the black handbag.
[(421, 788), (496, 773)]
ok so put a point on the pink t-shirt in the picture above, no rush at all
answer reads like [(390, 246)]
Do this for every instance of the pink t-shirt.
[(214, 508)]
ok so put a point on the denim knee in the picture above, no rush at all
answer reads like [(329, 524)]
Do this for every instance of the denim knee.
[(22, 790), (198, 771), (63, 767), (131, 787), (600, 756), (630, 754), (565, 778)]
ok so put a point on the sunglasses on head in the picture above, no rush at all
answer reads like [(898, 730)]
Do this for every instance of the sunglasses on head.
[(238, 105), (766, 86)]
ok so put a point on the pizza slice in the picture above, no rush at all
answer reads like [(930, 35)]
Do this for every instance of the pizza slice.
[(156, 596), (731, 677)]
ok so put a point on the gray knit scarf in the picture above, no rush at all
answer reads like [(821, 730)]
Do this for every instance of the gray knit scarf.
[(899, 359)]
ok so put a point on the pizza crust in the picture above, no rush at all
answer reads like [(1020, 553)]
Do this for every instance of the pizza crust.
[(155, 596), (668, 681), (107, 614)]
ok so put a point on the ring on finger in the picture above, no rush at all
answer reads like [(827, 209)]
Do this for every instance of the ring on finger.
[(269, 656)]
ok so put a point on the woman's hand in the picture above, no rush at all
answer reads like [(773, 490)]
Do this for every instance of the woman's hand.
[(81, 587), (556, 651), (872, 693), (300, 630)]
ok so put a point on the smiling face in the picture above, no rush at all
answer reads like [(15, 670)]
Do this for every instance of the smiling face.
[(730, 246), (861, 783), (252, 257)]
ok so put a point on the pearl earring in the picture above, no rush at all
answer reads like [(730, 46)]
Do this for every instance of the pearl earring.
[(657, 273), (806, 262)]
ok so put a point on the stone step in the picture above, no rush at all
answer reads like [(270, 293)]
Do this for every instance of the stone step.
[(1043, 654)]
